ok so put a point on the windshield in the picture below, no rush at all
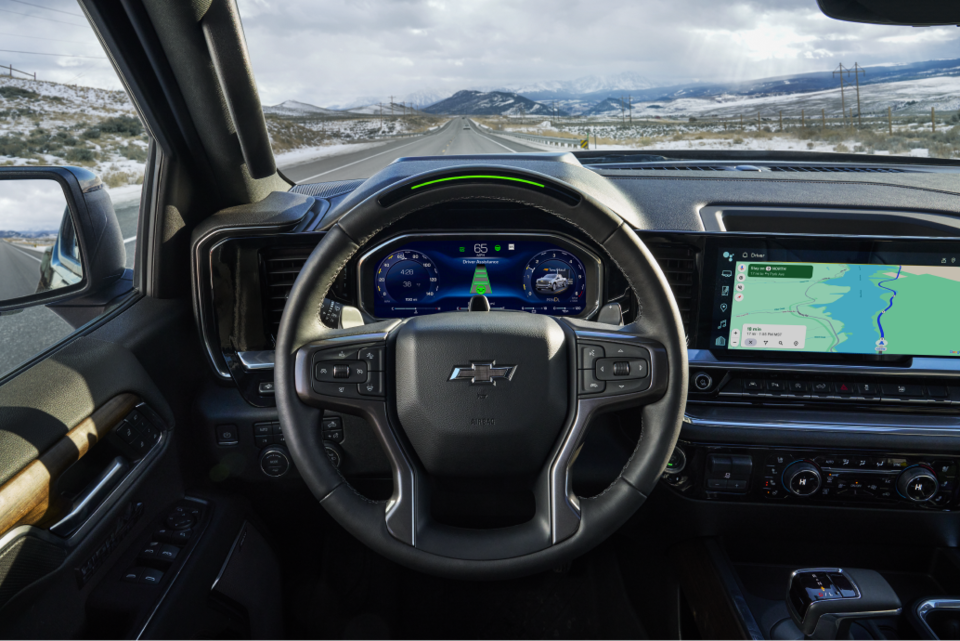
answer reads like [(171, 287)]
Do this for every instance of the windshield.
[(348, 87)]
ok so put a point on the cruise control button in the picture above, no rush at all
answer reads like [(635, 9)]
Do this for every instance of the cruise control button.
[(373, 386), (590, 384), (346, 372), (752, 385)]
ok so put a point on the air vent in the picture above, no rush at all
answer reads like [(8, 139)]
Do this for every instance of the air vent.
[(279, 270), (679, 264)]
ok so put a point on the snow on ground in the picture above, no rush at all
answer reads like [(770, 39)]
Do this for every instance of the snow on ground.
[(300, 156)]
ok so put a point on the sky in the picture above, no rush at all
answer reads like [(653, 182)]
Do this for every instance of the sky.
[(31, 205), (335, 52)]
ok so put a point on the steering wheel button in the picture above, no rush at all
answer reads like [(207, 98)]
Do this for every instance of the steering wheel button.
[(589, 355), (625, 386), (341, 371), (590, 384), (373, 357), (607, 369), (373, 386), (344, 389), (336, 354), (619, 351)]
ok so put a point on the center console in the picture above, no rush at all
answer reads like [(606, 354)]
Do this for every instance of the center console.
[(814, 476)]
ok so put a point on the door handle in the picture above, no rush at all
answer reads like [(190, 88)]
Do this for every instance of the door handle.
[(91, 497)]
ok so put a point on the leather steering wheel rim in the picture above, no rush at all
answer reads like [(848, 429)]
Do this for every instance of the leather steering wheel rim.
[(659, 323)]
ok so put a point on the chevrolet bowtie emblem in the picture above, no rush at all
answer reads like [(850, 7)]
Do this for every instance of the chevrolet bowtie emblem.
[(482, 373)]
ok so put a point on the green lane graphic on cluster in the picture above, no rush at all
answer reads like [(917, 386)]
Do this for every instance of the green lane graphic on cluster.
[(481, 281)]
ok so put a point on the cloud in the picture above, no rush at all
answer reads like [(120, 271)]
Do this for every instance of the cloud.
[(332, 51)]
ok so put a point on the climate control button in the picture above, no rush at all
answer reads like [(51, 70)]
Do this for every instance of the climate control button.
[(918, 484), (802, 478)]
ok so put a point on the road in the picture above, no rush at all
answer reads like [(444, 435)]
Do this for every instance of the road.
[(458, 136)]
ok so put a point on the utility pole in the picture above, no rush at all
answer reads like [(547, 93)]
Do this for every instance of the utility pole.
[(933, 119), (823, 120), (741, 122), (623, 119), (781, 121), (890, 120), (803, 120), (857, 70), (391, 105), (843, 104), (630, 104)]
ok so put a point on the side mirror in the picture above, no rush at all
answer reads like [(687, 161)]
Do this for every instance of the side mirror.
[(916, 13), (60, 243)]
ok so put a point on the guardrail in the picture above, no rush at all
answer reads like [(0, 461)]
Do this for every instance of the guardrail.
[(543, 140)]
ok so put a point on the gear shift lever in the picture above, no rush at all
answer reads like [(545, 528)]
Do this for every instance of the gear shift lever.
[(821, 600)]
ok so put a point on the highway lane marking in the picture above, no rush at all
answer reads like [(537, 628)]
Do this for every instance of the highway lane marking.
[(129, 240), (303, 180), (497, 143), (26, 252)]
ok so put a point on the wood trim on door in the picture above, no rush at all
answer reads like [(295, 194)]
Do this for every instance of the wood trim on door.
[(27, 499)]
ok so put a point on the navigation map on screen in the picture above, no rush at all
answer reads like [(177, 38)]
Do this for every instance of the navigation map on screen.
[(846, 308)]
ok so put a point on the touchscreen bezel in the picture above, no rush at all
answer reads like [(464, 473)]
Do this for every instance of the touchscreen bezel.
[(806, 248), (367, 264)]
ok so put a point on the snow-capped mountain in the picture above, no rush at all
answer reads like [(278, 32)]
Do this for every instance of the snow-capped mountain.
[(490, 103)]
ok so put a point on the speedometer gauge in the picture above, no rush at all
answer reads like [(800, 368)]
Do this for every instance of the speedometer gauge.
[(407, 277), (555, 276)]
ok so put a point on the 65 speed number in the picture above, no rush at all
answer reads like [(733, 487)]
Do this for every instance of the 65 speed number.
[(407, 276)]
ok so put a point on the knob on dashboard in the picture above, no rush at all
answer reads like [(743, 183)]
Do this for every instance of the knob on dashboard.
[(802, 478), (275, 461), (918, 484)]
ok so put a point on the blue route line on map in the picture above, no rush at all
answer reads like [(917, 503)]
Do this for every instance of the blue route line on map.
[(881, 284)]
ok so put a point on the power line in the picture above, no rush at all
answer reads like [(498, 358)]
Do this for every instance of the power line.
[(17, 35), (40, 6), (61, 55), (30, 15)]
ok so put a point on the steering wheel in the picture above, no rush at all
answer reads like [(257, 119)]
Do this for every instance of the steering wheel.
[(445, 392)]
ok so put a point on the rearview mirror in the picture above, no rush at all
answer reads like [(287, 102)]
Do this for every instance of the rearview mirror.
[(59, 242), (916, 13)]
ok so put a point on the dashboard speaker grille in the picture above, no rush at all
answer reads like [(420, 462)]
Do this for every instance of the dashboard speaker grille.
[(679, 264)]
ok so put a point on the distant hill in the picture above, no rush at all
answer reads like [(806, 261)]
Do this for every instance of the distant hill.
[(489, 103), (295, 108)]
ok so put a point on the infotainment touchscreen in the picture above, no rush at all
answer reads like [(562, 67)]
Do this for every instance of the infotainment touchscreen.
[(885, 303)]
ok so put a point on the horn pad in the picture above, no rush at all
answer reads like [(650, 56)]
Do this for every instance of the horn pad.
[(482, 394)]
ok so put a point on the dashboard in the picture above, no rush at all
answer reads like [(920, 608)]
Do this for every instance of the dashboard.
[(418, 274), (821, 337)]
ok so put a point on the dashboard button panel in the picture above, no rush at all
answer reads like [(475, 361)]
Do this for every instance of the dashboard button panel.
[(854, 478)]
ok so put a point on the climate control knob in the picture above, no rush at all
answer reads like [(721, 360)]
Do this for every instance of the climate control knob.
[(802, 478), (918, 484)]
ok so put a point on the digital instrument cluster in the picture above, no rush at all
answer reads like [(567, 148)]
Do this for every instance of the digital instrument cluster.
[(416, 275)]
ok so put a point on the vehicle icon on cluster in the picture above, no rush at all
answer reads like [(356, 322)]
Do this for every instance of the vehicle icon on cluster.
[(552, 282)]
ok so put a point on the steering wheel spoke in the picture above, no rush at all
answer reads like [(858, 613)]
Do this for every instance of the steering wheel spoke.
[(615, 370)]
